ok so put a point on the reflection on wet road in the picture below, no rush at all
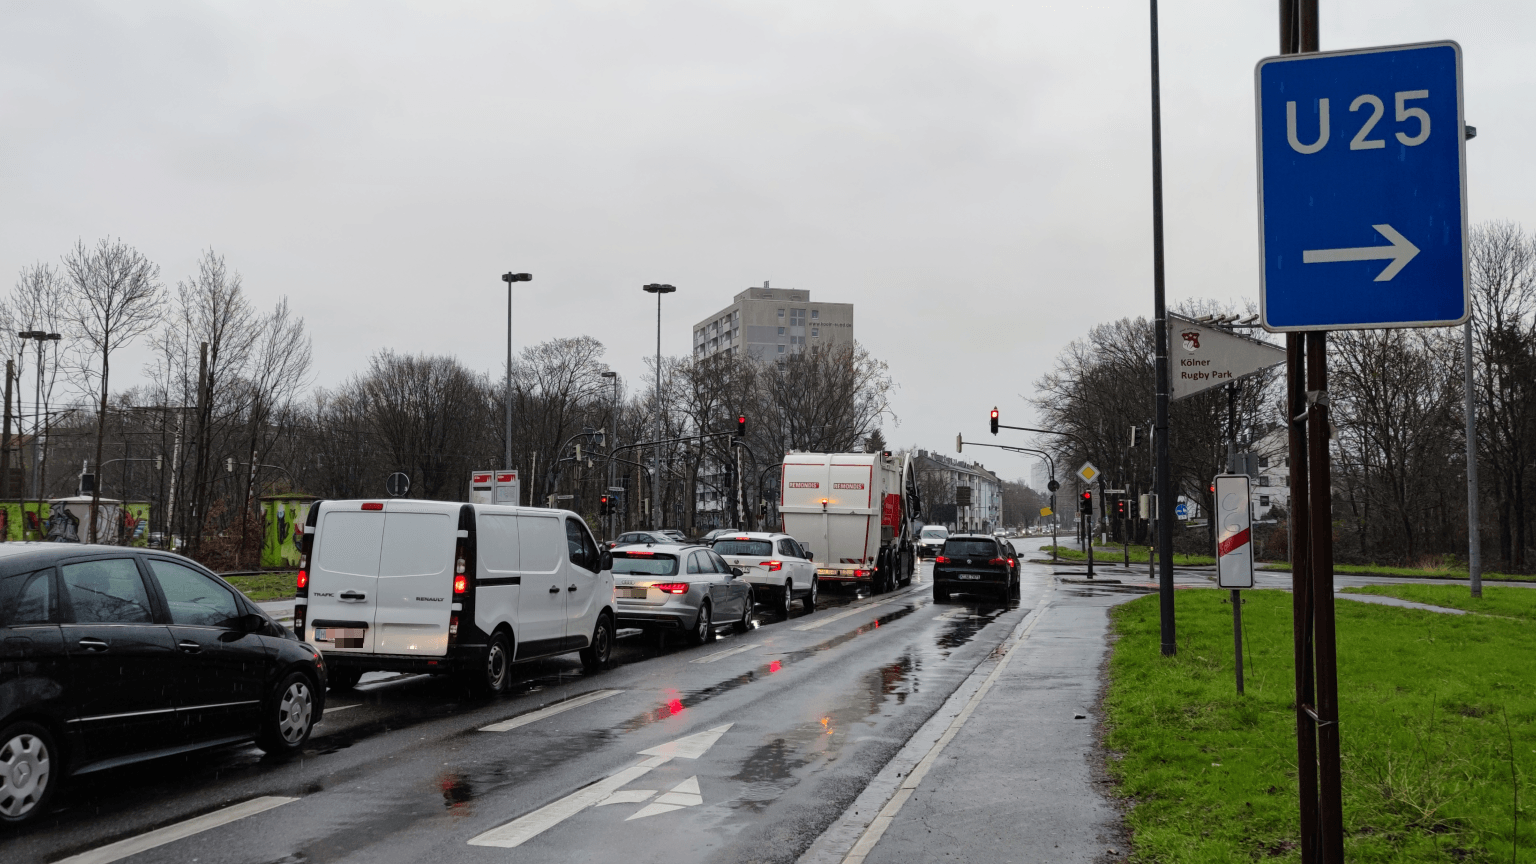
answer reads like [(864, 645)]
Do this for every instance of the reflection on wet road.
[(400, 770)]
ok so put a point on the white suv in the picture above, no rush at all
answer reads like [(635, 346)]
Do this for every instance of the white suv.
[(775, 564)]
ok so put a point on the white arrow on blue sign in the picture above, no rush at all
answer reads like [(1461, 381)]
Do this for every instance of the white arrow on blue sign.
[(1362, 189)]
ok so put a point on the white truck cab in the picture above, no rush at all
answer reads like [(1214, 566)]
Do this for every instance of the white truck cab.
[(441, 586)]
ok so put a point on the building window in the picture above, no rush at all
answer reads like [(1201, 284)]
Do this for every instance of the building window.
[(781, 331), (781, 349), (815, 331), (1263, 500), (797, 317), (736, 316), (1263, 461), (815, 313), (781, 313)]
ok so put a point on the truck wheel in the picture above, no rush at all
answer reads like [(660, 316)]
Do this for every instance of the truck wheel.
[(343, 678), (595, 656)]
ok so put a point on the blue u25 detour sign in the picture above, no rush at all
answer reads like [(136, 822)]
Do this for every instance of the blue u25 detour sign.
[(1362, 189)]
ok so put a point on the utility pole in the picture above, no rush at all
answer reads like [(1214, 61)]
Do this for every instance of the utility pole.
[(1474, 539), (5, 452), (612, 444), (658, 290), (506, 395), (1162, 486)]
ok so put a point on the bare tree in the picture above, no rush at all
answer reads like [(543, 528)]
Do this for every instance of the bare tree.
[(115, 299), (39, 303)]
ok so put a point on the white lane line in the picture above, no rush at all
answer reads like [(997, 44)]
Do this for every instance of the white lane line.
[(524, 828), (550, 711), (721, 655), (330, 708), (822, 622), (888, 813), (161, 836)]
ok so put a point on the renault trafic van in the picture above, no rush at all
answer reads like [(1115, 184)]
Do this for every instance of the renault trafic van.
[(444, 587)]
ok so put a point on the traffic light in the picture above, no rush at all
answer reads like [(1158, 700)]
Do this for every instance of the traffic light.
[(1085, 503), (1120, 508), (1135, 436), (994, 421), (741, 426), (604, 507)]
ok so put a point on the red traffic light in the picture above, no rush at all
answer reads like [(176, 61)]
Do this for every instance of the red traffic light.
[(741, 426), (994, 421), (1087, 496)]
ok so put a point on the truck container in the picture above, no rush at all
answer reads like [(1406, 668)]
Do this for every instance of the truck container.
[(855, 513)]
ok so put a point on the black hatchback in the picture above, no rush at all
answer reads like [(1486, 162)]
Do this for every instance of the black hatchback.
[(974, 563), (111, 655)]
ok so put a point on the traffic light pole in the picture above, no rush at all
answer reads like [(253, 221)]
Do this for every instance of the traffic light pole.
[(1161, 480)]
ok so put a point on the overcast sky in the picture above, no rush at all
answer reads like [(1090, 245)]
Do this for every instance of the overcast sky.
[(974, 176)]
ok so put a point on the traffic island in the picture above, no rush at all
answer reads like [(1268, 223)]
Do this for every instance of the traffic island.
[(1435, 713)]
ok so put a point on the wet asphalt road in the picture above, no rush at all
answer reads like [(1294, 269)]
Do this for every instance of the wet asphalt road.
[(778, 731)]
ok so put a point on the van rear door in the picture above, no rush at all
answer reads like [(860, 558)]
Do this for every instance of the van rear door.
[(344, 576), (415, 584)]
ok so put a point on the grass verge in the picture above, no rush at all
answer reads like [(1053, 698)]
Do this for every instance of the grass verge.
[(1408, 572), (1496, 600), (1116, 554), (1436, 720), (263, 587)]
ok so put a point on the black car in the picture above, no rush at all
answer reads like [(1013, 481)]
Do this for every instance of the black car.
[(110, 655), (975, 563)]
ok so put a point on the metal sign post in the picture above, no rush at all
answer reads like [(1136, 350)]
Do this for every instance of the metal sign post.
[(1234, 551)]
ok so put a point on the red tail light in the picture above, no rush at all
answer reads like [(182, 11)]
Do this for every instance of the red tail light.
[(373, 505), (771, 565), (998, 561), (453, 626), (299, 613), (460, 584), (1010, 562), (860, 574), (940, 559), (672, 587), (303, 580)]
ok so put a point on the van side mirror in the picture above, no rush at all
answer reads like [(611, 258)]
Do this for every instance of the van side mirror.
[(605, 560)]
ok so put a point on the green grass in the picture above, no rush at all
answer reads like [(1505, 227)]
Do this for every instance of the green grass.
[(1424, 700), (1116, 554), (265, 586), (1496, 600), (1408, 572)]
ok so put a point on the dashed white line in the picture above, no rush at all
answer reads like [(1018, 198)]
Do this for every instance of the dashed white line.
[(721, 655), (161, 836), (550, 711)]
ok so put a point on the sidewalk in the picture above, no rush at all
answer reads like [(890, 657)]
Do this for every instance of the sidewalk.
[(1013, 776)]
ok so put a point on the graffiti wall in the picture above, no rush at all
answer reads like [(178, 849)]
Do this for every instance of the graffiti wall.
[(285, 515)]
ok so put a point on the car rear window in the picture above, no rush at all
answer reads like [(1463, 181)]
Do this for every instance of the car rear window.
[(639, 564), (939, 533), (744, 547), (970, 548)]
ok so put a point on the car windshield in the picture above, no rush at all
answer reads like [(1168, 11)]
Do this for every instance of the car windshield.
[(639, 564), (935, 533), (744, 547), (970, 548)]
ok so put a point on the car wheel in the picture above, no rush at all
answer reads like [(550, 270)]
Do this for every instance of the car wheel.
[(703, 628), (27, 782), (289, 716), (747, 608), (940, 593), (786, 597), (343, 678), (495, 668), (810, 598), (596, 655)]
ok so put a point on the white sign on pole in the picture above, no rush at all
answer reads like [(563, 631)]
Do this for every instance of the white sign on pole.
[(1234, 532), (481, 488), (1203, 357), (1088, 472), (508, 490)]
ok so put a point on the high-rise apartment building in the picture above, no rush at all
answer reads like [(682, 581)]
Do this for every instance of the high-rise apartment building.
[(773, 322)]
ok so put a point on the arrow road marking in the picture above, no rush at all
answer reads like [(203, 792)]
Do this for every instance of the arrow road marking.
[(684, 794), (1400, 253), (525, 828)]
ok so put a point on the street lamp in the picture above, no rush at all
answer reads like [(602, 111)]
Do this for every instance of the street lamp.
[(42, 337), (509, 278), (658, 290), (612, 444)]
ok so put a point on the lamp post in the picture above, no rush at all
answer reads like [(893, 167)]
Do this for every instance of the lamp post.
[(658, 290), (509, 278), (42, 337), (612, 443)]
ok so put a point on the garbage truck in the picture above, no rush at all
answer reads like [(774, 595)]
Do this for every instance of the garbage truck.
[(856, 513)]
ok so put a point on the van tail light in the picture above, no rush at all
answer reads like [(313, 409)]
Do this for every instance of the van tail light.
[(303, 580), (940, 559), (771, 565), (374, 505), (300, 612), (672, 587), (453, 627), (458, 566), (460, 584)]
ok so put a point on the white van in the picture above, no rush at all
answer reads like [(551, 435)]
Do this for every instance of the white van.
[(439, 586)]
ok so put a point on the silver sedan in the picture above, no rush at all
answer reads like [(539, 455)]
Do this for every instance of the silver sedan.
[(679, 587)]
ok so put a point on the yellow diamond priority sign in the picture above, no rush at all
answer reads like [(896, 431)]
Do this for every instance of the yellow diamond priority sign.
[(1045, 511), (1087, 472)]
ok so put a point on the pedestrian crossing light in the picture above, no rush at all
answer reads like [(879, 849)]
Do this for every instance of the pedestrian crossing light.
[(741, 426), (994, 421)]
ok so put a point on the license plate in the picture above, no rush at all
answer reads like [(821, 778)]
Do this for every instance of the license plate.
[(342, 637), (632, 593), (826, 572), (970, 575)]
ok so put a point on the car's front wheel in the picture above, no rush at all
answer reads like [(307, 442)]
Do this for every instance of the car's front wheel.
[(289, 716), (27, 758), (596, 655)]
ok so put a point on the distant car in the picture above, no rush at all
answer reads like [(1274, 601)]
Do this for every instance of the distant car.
[(717, 534), (775, 564), (630, 538), (975, 563), (680, 587), (115, 655), (675, 534), (930, 540)]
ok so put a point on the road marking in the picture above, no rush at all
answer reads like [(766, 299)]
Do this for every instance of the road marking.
[(627, 796), (549, 711), (878, 826), (525, 828), (330, 708), (684, 794), (822, 622), (721, 655), (161, 836)]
